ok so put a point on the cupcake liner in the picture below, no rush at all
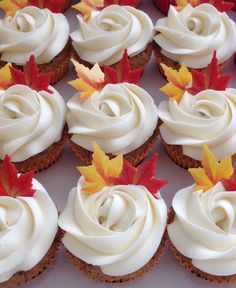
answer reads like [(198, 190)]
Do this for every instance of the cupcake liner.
[(96, 274), (44, 159), (163, 5), (57, 66), (134, 157), (160, 58), (187, 262), (46, 262), (137, 61)]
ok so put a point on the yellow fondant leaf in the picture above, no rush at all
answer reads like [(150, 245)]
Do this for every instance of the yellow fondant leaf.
[(5, 77), (102, 171), (178, 81), (11, 6), (85, 7), (212, 170), (181, 4), (89, 80), (85, 89)]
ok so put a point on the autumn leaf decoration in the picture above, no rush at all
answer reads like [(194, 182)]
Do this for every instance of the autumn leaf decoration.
[(212, 171), (89, 80), (220, 5), (94, 79), (210, 78), (133, 3), (122, 72), (12, 6), (194, 82), (105, 172), (12, 184), (30, 76), (178, 81)]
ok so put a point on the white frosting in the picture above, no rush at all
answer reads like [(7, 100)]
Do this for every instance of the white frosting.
[(33, 31), (30, 121), (204, 228), (28, 226), (191, 35), (118, 228), (208, 117), (109, 32), (119, 118)]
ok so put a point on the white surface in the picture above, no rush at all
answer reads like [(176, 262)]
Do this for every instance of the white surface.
[(62, 176)]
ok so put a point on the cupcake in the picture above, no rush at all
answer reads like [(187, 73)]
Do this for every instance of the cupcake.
[(112, 111), (191, 35), (39, 32), (32, 118), (103, 35), (202, 222), (115, 219), (200, 110), (29, 231)]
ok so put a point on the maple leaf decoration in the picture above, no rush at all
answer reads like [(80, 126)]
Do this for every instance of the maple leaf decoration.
[(53, 5), (144, 175), (178, 81), (230, 184), (5, 77), (122, 72), (85, 7), (220, 5), (102, 171), (89, 80), (12, 184), (212, 171), (209, 78), (11, 6), (133, 3), (31, 77)]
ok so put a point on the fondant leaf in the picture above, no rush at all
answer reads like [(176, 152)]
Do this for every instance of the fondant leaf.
[(89, 81), (85, 7), (210, 78), (5, 77), (178, 81), (230, 184), (212, 171), (11, 6), (30, 76), (220, 5), (144, 175), (12, 184), (133, 3), (53, 5), (102, 171), (122, 72)]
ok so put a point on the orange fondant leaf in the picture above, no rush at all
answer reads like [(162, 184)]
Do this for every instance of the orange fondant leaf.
[(212, 171), (178, 81), (133, 3), (89, 81), (210, 78), (230, 184), (11, 6), (122, 72), (144, 175), (12, 184), (5, 77), (30, 76), (85, 7), (102, 171)]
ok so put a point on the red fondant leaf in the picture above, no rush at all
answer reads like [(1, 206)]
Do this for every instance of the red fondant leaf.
[(31, 76), (53, 5), (221, 5), (230, 184), (122, 72), (12, 184), (144, 175), (133, 3), (210, 78)]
